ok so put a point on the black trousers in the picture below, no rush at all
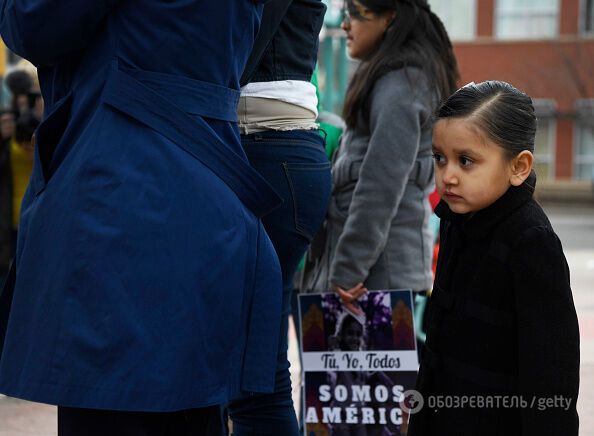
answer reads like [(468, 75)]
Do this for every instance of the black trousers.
[(88, 422)]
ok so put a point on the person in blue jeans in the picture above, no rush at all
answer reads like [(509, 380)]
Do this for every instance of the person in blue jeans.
[(277, 112)]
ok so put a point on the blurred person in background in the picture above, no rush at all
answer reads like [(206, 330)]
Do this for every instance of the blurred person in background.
[(17, 166), (31, 70), (21, 163), (20, 83), (23, 84), (7, 131), (145, 292), (7, 125), (277, 119), (35, 104), (376, 234)]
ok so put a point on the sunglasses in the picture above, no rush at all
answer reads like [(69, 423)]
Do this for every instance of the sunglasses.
[(354, 11)]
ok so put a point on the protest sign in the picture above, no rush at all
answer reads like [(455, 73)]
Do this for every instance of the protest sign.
[(356, 366)]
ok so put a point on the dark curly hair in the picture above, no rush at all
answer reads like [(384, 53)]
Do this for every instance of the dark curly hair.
[(504, 113)]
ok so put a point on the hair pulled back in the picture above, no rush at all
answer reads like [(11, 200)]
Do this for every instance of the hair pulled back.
[(503, 113)]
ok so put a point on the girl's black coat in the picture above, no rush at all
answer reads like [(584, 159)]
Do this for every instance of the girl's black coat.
[(502, 326)]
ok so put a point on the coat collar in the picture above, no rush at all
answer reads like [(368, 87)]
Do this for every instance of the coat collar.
[(483, 221)]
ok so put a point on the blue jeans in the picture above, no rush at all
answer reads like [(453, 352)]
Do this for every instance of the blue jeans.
[(296, 166)]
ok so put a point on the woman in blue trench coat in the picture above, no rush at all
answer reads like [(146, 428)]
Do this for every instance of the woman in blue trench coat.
[(141, 255)]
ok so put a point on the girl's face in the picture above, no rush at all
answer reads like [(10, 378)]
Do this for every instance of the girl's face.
[(471, 171), (363, 28)]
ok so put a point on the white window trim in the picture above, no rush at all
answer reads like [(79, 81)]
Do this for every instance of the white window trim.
[(577, 135), (548, 107), (551, 159), (524, 38), (474, 20)]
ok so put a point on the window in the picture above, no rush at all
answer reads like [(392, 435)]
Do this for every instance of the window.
[(527, 19), (588, 14), (458, 16), (545, 140), (584, 149)]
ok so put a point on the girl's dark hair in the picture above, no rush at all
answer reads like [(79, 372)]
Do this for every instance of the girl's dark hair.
[(505, 114), (415, 38)]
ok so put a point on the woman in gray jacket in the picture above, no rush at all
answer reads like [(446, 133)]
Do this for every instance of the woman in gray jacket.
[(376, 234)]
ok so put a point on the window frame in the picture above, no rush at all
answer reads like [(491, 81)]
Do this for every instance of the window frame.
[(498, 36), (474, 21), (585, 115), (546, 109), (583, 17)]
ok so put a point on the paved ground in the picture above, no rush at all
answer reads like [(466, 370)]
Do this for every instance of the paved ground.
[(20, 418), (575, 227)]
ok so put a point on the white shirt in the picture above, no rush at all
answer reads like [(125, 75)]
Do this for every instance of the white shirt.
[(297, 92)]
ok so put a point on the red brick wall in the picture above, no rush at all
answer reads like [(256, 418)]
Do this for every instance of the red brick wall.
[(569, 20), (485, 18), (564, 157), (563, 71)]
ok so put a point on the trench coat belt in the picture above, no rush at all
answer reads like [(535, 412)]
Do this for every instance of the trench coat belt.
[(166, 103)]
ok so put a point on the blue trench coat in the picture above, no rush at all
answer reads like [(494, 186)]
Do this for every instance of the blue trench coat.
[(144, 279)]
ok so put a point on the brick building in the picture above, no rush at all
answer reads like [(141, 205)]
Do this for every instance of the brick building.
[(546, 48)]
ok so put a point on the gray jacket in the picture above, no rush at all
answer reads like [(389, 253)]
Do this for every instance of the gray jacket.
[(377, 226)]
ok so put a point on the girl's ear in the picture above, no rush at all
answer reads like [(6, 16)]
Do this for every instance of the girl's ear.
[(521, 166)]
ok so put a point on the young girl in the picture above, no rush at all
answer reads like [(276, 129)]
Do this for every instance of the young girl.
[(502, 347), (377, 227)]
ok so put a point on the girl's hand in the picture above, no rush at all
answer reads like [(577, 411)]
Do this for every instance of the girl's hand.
[(350, 296)]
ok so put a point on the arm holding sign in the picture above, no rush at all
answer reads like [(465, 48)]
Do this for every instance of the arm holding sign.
[(350, 296)]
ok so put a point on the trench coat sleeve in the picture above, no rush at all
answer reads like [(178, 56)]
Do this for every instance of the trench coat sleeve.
[(548, 334), (396, 115), (43, 31)]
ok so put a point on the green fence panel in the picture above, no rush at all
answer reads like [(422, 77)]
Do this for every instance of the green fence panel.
[(334, 68)]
